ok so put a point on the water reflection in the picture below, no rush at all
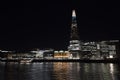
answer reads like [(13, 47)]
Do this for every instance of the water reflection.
[(66, 71), (112, 71), (59, 71)]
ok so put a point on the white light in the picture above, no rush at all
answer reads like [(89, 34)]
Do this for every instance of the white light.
[(114, 40), (98, 46), (55, 51), (111, 68), (4, 51), (111, 56), (66, 51), (61, 51), (73, 13)]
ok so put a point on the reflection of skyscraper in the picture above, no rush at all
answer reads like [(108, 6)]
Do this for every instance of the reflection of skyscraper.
[(74, 46)]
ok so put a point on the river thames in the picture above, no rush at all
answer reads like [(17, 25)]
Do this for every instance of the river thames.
[(59, 71)]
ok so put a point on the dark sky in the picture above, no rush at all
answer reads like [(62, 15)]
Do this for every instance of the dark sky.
[(46, 24)]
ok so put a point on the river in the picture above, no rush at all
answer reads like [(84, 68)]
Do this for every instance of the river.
[(59, 71)]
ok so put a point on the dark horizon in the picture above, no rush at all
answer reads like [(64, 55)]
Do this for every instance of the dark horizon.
[(46, 24)]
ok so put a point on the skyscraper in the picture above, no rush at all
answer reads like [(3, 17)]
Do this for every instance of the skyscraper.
[(74, 46), (74, 31)]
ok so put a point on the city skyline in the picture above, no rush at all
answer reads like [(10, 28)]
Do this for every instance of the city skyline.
[(47, 24)]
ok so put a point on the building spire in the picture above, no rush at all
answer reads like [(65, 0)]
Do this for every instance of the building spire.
[(73, 16), (73, 13), (74, 31)]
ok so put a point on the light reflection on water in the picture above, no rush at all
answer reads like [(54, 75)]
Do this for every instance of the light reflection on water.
[(59, 71)]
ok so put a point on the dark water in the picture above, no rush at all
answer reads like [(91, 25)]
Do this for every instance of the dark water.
[(59, 71)]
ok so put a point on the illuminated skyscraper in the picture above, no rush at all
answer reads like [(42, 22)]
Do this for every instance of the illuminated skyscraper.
[(74, 31), (74, 46)]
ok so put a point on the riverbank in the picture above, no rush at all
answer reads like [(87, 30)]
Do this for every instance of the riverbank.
[(64, 60), (77, 60)]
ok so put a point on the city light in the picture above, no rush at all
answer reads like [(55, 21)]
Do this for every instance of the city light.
[(77, 49)]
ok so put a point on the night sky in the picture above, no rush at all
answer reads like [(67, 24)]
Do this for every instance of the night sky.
[(46, 24)]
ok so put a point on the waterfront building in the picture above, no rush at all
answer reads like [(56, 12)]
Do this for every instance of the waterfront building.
[(46, 54), (99, 49), (77, 49), (89, 50), (74, 45), (4, 54), (81, 49), (38, 53), (110, 48), (61, 54)]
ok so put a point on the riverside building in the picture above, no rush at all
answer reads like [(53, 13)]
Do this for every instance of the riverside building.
[(77, 49), (90, 50), (74, 46)]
